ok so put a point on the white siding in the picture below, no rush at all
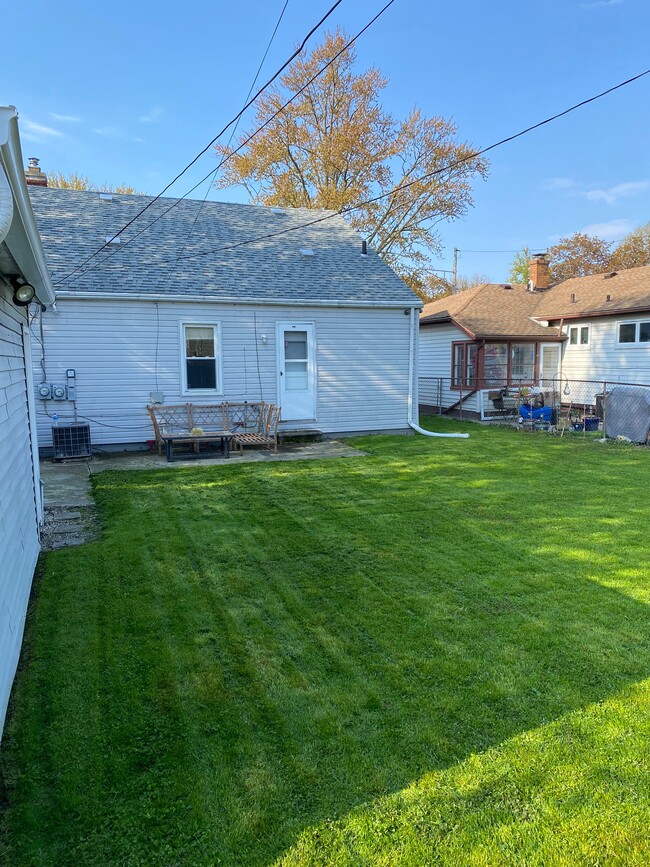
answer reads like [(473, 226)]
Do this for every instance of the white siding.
[(435, 361), (362, 362), (603, 359), (19, 542)]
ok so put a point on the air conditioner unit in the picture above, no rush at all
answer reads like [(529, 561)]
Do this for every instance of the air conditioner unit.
[(71, 441)]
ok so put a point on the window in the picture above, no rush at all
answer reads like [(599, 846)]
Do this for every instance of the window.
[(464, 365), (579, 335), (634, 332), (522, 368), (200, 351), (492, 365), (495, 364)]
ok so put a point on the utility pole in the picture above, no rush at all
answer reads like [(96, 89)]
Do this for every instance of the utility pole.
[(455, 271)]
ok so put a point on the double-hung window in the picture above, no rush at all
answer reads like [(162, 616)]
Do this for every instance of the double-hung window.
[(200, 352), (633, 332)]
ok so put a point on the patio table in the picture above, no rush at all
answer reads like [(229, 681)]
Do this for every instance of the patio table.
[(172, 437)]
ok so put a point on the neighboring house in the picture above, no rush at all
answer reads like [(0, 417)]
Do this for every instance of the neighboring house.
[(188, 311), (23, 274), (494, 336)]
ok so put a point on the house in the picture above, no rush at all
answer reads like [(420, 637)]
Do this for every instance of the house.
[(214, 302), (23, 277), (585, 331)]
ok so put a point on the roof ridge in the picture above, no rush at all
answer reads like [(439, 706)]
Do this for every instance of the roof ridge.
[(479, 289)]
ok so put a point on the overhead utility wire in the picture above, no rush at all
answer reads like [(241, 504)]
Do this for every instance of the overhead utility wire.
[(425, 177), (229, 156), (212, 176), (233, 131), (217, 136)]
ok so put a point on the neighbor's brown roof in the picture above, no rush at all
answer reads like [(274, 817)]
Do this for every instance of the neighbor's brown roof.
[(491, 310), (629, 290)]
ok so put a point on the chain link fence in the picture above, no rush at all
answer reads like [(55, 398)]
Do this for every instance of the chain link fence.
[(559, 405)]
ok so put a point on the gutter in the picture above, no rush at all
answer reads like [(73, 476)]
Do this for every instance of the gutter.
[(22, 236), (6, 205), (412, 373), (237, 302)]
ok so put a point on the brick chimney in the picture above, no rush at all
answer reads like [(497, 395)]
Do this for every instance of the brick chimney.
[(538, 274), (33, 174)]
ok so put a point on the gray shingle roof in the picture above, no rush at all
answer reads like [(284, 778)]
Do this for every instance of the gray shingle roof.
[(73, 224)]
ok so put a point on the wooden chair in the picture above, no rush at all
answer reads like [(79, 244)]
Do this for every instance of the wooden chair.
[(267, 430)]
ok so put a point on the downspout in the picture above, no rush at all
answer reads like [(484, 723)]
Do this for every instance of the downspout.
[(412, 373), (6, 205)]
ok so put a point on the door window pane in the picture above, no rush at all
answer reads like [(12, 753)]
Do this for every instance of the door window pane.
[(495, 364), (296, 376), (550, 363), (644, 332), (627, 332), (523, 362), (295, 345)]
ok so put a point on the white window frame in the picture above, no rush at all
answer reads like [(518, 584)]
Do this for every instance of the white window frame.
[(636, 343), (198, 323), (579, 328)]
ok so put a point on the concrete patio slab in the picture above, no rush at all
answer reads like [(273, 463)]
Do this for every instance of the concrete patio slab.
[(70, 517)]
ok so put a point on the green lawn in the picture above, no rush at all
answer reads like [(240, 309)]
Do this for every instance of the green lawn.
[(438, 654)]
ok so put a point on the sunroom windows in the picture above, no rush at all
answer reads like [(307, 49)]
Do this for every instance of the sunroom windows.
[(493, 364)]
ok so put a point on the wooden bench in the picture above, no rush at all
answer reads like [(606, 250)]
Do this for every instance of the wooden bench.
[(266, 433), (247, 423)]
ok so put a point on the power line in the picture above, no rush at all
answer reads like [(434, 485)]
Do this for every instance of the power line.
[(217, 136), (446, 168), (212, 177), (230, 155)]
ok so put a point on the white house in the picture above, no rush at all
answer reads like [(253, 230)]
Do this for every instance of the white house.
[(23, 276), (215, 302), (584, 332)]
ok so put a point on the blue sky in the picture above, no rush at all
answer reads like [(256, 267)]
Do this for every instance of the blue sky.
[(131, 91)]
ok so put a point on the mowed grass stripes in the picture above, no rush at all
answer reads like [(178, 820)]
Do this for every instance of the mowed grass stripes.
[(434, 654)]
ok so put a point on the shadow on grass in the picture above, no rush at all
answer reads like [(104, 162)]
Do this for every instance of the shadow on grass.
[(250, 650)]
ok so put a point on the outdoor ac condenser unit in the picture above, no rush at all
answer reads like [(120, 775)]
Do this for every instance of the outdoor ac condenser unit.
[(71, 441)]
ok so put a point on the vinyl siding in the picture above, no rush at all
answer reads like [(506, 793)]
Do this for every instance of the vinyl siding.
[(603, 359), (19, 541), (362, 362), (435, 361)]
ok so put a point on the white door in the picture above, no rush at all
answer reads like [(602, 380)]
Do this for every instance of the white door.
[(296, 371), (549, 364)]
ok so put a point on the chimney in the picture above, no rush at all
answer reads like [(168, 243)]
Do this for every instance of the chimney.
[(538, 273), (33, 174)]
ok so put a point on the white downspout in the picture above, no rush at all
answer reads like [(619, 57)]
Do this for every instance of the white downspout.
[(6, 205), (412, 373)]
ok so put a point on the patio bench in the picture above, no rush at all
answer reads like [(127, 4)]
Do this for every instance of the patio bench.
[(243, 423)]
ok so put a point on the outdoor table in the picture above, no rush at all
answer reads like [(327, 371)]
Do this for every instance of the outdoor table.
[(171, 437)]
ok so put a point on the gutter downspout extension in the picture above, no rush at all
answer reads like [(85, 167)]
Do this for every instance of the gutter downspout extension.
[(412, 373)]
